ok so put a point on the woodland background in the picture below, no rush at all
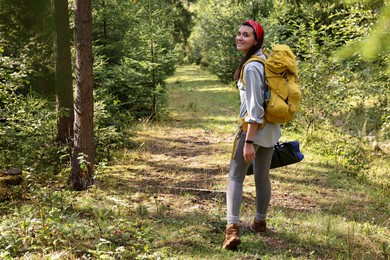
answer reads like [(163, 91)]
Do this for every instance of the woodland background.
[(344, 67)]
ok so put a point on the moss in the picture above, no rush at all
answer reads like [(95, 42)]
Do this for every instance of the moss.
[(4, 193), (11, 180), (5, 182)]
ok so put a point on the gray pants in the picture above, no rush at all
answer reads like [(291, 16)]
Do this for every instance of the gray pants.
[(237, 173)]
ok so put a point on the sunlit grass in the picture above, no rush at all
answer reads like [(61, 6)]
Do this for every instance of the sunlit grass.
[(200, 100)]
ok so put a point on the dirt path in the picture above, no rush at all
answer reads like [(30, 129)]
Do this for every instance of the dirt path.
[(195, 161), (181, 162), (183, 156)]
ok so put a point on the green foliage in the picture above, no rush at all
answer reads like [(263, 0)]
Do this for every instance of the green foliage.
[(213, 39), (351, 155), (52, 221), (127, 91), (131, 65), (373, 45), (26, 32), (111, 130), (26, 122), (136, 48), (138, 52), (111, 18)]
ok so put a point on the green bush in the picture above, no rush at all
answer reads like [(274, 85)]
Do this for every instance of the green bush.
[(27, 123)]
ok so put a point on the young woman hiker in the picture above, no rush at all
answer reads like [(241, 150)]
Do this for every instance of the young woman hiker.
[(255, 142)]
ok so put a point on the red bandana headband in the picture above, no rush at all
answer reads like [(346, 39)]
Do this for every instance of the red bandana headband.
[(257, 27)]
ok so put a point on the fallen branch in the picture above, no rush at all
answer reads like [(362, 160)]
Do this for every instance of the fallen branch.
[(15, 171)]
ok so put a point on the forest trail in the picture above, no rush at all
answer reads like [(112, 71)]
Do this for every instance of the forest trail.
[(188, 154), (176, 180), (191, 152)]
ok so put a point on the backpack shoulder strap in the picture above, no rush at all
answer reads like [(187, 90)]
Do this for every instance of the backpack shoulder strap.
[(252, 58)]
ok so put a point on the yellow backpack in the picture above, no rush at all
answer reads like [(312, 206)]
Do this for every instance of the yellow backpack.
[(284, 95)]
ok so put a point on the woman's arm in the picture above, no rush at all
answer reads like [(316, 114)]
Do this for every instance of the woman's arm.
[(249, 150), (254, 102)]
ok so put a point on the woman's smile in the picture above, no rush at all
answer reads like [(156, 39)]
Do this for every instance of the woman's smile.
[(245, 38)]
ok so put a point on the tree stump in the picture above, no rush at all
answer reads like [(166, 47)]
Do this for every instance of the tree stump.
[(9, 178)]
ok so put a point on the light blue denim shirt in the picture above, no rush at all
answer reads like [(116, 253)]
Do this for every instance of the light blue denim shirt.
[(252, 99)]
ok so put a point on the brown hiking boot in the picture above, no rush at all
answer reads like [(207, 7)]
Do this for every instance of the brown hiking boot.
[(258, 226), (232, 237)]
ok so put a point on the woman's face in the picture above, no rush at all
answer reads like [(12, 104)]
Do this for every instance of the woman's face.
[(245, 38)]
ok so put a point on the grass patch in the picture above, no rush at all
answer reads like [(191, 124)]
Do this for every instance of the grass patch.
[(165, 199)]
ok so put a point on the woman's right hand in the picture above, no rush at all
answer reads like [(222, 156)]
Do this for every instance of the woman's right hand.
[(249, 152)]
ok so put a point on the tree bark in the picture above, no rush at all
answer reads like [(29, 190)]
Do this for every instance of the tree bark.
[(81, 176), (63, 74), (154, 85)]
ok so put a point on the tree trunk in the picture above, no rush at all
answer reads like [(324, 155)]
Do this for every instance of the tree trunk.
[(154, 85), (64, 87), (104, 22), (81, 176)]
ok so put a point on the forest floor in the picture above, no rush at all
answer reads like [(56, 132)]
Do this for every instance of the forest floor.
[(165, 199), (178, 179)]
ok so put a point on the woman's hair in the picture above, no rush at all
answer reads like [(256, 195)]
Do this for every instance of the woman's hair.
[(252, 51)]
